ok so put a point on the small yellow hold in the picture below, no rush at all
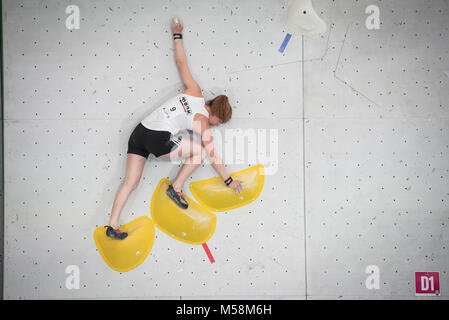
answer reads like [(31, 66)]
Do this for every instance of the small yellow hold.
[(194, 225), (125, 255), (216, 196)]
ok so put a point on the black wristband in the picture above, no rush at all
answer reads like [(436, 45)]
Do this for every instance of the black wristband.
[(228, 181), (177, 35)]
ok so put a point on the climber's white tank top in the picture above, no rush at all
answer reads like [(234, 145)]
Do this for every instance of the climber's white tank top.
[(176, 114)]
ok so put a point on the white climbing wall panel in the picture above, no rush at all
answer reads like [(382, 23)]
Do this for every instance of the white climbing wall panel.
[(72, 100), (376, 149), (355, 127)]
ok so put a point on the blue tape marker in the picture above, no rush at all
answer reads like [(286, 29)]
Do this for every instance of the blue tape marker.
[(284, 44)]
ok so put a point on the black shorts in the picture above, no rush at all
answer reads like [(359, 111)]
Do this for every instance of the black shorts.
[(144, 141)]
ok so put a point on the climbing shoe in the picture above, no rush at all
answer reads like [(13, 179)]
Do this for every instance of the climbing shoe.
[(115, 233), (177, 197)]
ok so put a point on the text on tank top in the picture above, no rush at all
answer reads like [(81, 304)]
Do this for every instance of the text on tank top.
[(176, 114)]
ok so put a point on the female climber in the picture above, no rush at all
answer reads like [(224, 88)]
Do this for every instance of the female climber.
[(155, 134)]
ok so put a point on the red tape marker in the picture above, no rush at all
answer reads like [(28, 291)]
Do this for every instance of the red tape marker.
[(209, 255)]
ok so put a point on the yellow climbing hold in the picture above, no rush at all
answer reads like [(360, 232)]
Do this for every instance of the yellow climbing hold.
[(194, 225), (216, 196), (125, 255)]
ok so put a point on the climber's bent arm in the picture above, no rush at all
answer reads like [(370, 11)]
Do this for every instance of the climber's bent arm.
[(202, 126)]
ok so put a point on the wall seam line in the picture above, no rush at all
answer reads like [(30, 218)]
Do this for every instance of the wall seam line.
[(304, 169)]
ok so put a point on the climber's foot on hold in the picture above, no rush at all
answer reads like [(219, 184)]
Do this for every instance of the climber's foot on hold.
[(115, 233), (177, 197)]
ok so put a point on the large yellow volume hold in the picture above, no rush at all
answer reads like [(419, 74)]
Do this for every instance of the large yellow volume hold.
[(125, 255), (216, 196), (194, 225)]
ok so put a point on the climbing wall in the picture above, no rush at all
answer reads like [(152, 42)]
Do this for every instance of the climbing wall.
[(376, 149), (351, 127), (72, 100)]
